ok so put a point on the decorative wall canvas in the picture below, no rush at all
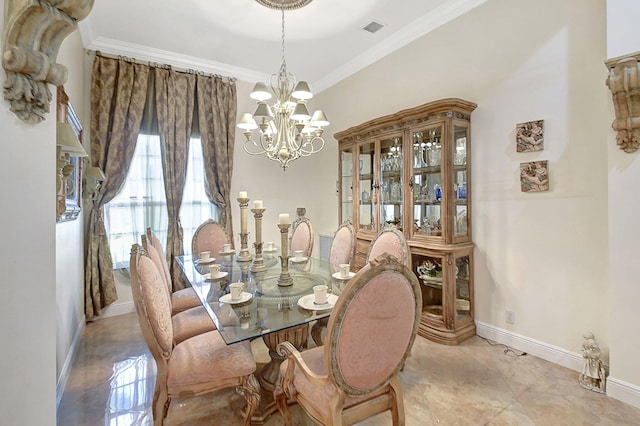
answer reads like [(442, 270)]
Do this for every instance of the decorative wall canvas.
[(529, 136), (534, 176)]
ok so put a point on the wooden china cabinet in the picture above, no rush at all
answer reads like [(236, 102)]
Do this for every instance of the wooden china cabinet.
[(411, 170)]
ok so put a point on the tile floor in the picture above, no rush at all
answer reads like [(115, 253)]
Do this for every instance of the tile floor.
[(475, 383)]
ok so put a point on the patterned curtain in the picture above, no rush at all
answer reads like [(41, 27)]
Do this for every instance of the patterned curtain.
[(217, 103), (118, 94), (175, 103)]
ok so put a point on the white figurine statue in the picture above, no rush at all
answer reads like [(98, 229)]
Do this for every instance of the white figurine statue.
[(593, 373)]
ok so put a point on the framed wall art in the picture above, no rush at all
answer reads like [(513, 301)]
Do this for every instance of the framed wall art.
[(534, 176), (530, 136)]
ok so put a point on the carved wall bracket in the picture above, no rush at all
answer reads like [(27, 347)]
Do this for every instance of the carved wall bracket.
[(624, 83), (33, 33)]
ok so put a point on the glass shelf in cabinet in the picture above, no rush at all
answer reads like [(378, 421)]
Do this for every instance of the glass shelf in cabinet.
[(433, 169)]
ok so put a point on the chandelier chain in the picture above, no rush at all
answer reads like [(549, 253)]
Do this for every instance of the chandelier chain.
[(284, 63)]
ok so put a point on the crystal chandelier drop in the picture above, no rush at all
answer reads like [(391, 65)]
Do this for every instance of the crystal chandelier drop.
[(287, 130)]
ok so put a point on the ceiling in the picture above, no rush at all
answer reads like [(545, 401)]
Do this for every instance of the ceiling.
[(324, 41)]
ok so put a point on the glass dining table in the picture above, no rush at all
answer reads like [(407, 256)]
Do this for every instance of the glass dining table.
[(265, 309)]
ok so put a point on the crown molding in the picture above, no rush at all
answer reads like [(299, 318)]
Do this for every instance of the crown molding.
[(399, 39), (177, 60)]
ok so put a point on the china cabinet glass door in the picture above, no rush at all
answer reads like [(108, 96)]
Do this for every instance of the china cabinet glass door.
[(460, 181), (390, 173), (427, 181), (346, 185), (463, 288), (366, 213)]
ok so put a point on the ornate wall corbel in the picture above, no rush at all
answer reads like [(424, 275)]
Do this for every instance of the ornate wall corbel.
[(624, 83), (33, 33)]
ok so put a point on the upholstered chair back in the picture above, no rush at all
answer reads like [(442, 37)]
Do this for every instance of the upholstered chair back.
[(155, 242), (153, 304), (302, 236), (373, 326), (343, 246), (210, 236), (390, 240), (355, 374), (158, 261)]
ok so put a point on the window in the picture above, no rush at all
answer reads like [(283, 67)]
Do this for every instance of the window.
[(141, 202)]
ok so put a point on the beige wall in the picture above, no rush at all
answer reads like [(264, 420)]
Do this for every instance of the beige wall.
[(70, 235), (624, 233), (27, 265), (543, 256)]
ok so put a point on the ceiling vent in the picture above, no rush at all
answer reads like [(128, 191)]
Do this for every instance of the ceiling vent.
[(373, 27)]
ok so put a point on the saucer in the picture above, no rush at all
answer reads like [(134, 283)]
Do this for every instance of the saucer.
[(307, 302), (244, 297), (300, 260), (226, 253), (204, 262), (220, 275), (338, 276), (270, 251)]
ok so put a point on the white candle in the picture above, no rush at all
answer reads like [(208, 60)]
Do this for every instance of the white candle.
[(243, 194), (257, 204), (284, 218)]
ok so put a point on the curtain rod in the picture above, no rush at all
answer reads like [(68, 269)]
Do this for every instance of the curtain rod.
[(159, 65)]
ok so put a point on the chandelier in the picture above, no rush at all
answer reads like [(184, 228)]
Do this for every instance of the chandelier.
[(286, 129)]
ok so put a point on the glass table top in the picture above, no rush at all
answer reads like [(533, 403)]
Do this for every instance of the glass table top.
[(264, 306)]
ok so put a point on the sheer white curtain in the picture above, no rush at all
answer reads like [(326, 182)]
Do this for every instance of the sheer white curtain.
[(141, 202)]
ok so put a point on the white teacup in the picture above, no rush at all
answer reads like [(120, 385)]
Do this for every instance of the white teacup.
[(269, 245), (205, 256), (214, 270), (344, 270), (298, 254), (320, 294), (226, 248), (236, 290)]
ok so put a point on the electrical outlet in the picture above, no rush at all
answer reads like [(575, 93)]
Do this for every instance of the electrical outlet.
[(510, 317)]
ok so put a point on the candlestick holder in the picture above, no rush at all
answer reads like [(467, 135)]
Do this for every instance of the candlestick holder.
[(258, 264), (285, 279), (244, 255)]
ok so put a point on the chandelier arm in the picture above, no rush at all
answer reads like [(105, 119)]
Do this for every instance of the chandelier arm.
[(304, 152)]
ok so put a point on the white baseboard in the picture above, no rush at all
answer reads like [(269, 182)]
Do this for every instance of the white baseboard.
[(616, 389), (116, 309), (542, 350), (68, 362), (623, 391)]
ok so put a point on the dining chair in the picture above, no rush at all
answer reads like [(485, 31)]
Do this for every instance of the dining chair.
[(188, 322), (301, 234), (355, 374), (343, 246), (209, 236), (182, 299), (201, 364), (342, 250), (390, 240)]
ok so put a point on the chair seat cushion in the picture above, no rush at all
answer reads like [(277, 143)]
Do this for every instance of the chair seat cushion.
[(206, 358), (319, 396), (184, 299), (191, 322)]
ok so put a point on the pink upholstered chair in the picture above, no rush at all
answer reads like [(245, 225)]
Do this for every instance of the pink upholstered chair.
[(188, 322), (390, 240), (209, 236), (181, 300), (301, 235), (343, 246), (355, 374), (199, 365)]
